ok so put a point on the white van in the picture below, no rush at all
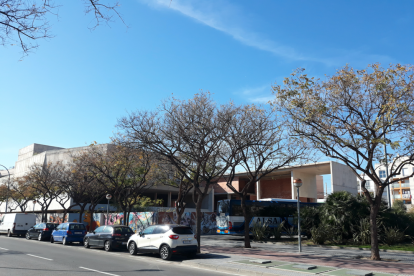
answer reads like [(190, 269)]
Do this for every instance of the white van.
[(16, 224)]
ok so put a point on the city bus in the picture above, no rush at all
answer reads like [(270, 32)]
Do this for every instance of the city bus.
[(272, 211)]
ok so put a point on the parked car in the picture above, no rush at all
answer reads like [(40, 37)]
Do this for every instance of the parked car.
[(109, 237), (68, 232), (166, 240), (41, 231), (16, 224)]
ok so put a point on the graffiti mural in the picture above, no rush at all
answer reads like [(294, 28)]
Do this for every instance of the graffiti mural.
[(208, 222), (57, 218), (96, 221), (137, 220), (140, 220)]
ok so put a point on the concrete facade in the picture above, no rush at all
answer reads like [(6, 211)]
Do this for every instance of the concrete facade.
[(43, 154), (279, 184)]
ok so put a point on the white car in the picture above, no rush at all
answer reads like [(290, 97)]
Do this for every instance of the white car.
[(165, 239)]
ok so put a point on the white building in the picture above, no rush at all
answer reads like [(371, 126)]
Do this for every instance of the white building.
[(42, 154), (402, 190)]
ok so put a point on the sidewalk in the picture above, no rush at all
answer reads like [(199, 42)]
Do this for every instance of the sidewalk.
[(230, 260), (227, 254), (234, 242)]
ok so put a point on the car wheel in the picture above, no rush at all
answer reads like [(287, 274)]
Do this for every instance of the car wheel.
[(52, 240), (27, 236), (64, 242), (165, 252), (132, 248), (40, 237), (108, 246), (9, 234), (86, 243)]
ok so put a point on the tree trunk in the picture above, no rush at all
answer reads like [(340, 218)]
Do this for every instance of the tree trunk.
[(124, 210), (198, 221), (128, 215), (375, 255), (179, 211), (246, 222), (82, 209), (91, 211)]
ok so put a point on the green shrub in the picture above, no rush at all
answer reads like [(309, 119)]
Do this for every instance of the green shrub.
[(260, 231), (362, 232), (291, 232), (276, 232), (319, 234), (393, 235)]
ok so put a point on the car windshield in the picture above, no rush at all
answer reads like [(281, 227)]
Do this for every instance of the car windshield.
[(122, 230), (51, 225), (182, 230), (77, 227)]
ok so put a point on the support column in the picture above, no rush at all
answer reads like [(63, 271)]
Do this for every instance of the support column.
[(258, 190), (169, 199)]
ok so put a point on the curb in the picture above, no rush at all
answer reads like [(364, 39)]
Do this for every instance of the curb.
[(240, 271)]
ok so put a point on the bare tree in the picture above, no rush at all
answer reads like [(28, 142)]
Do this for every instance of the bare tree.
[(44, 180), (261, 144), (125, 173), (195, 129), (350, 116), (24, 21), (20, 193), (184, 187)]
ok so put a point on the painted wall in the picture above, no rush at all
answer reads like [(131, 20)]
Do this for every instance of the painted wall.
[(137, 220), (275, 188), (343, 178), (208, 222), (309, 187)]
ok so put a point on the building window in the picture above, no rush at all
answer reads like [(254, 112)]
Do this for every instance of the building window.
[(405, 172), (368, 185), (382, 174)]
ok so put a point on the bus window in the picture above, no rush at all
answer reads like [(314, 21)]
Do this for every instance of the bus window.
[(223, 207)]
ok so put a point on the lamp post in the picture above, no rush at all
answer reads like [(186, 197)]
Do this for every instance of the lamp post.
[(298, 184), (8, 187), (34, 203), (108, 197)]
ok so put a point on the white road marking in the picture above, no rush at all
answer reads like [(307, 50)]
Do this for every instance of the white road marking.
[(39, 257), (3, 248), (97, 271)]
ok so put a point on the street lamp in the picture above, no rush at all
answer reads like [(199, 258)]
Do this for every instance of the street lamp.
[(108, 197), (298, 184), (8, 188), (34, 203)]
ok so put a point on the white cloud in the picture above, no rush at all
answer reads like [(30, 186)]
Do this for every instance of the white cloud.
[(229, 19), (262, 100), (255, 90)]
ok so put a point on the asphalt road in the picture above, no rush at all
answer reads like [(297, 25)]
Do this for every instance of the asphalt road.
[(19, 256)]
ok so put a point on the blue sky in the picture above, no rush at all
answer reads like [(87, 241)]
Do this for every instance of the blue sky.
[(71, 90)]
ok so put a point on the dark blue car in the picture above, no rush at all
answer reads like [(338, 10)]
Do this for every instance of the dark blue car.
[(69, 232)]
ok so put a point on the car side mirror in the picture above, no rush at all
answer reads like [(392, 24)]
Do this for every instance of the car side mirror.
[(140, 234)]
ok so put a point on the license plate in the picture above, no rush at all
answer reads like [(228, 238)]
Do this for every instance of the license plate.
[(78, 233), (124, 243), (186, 241)]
